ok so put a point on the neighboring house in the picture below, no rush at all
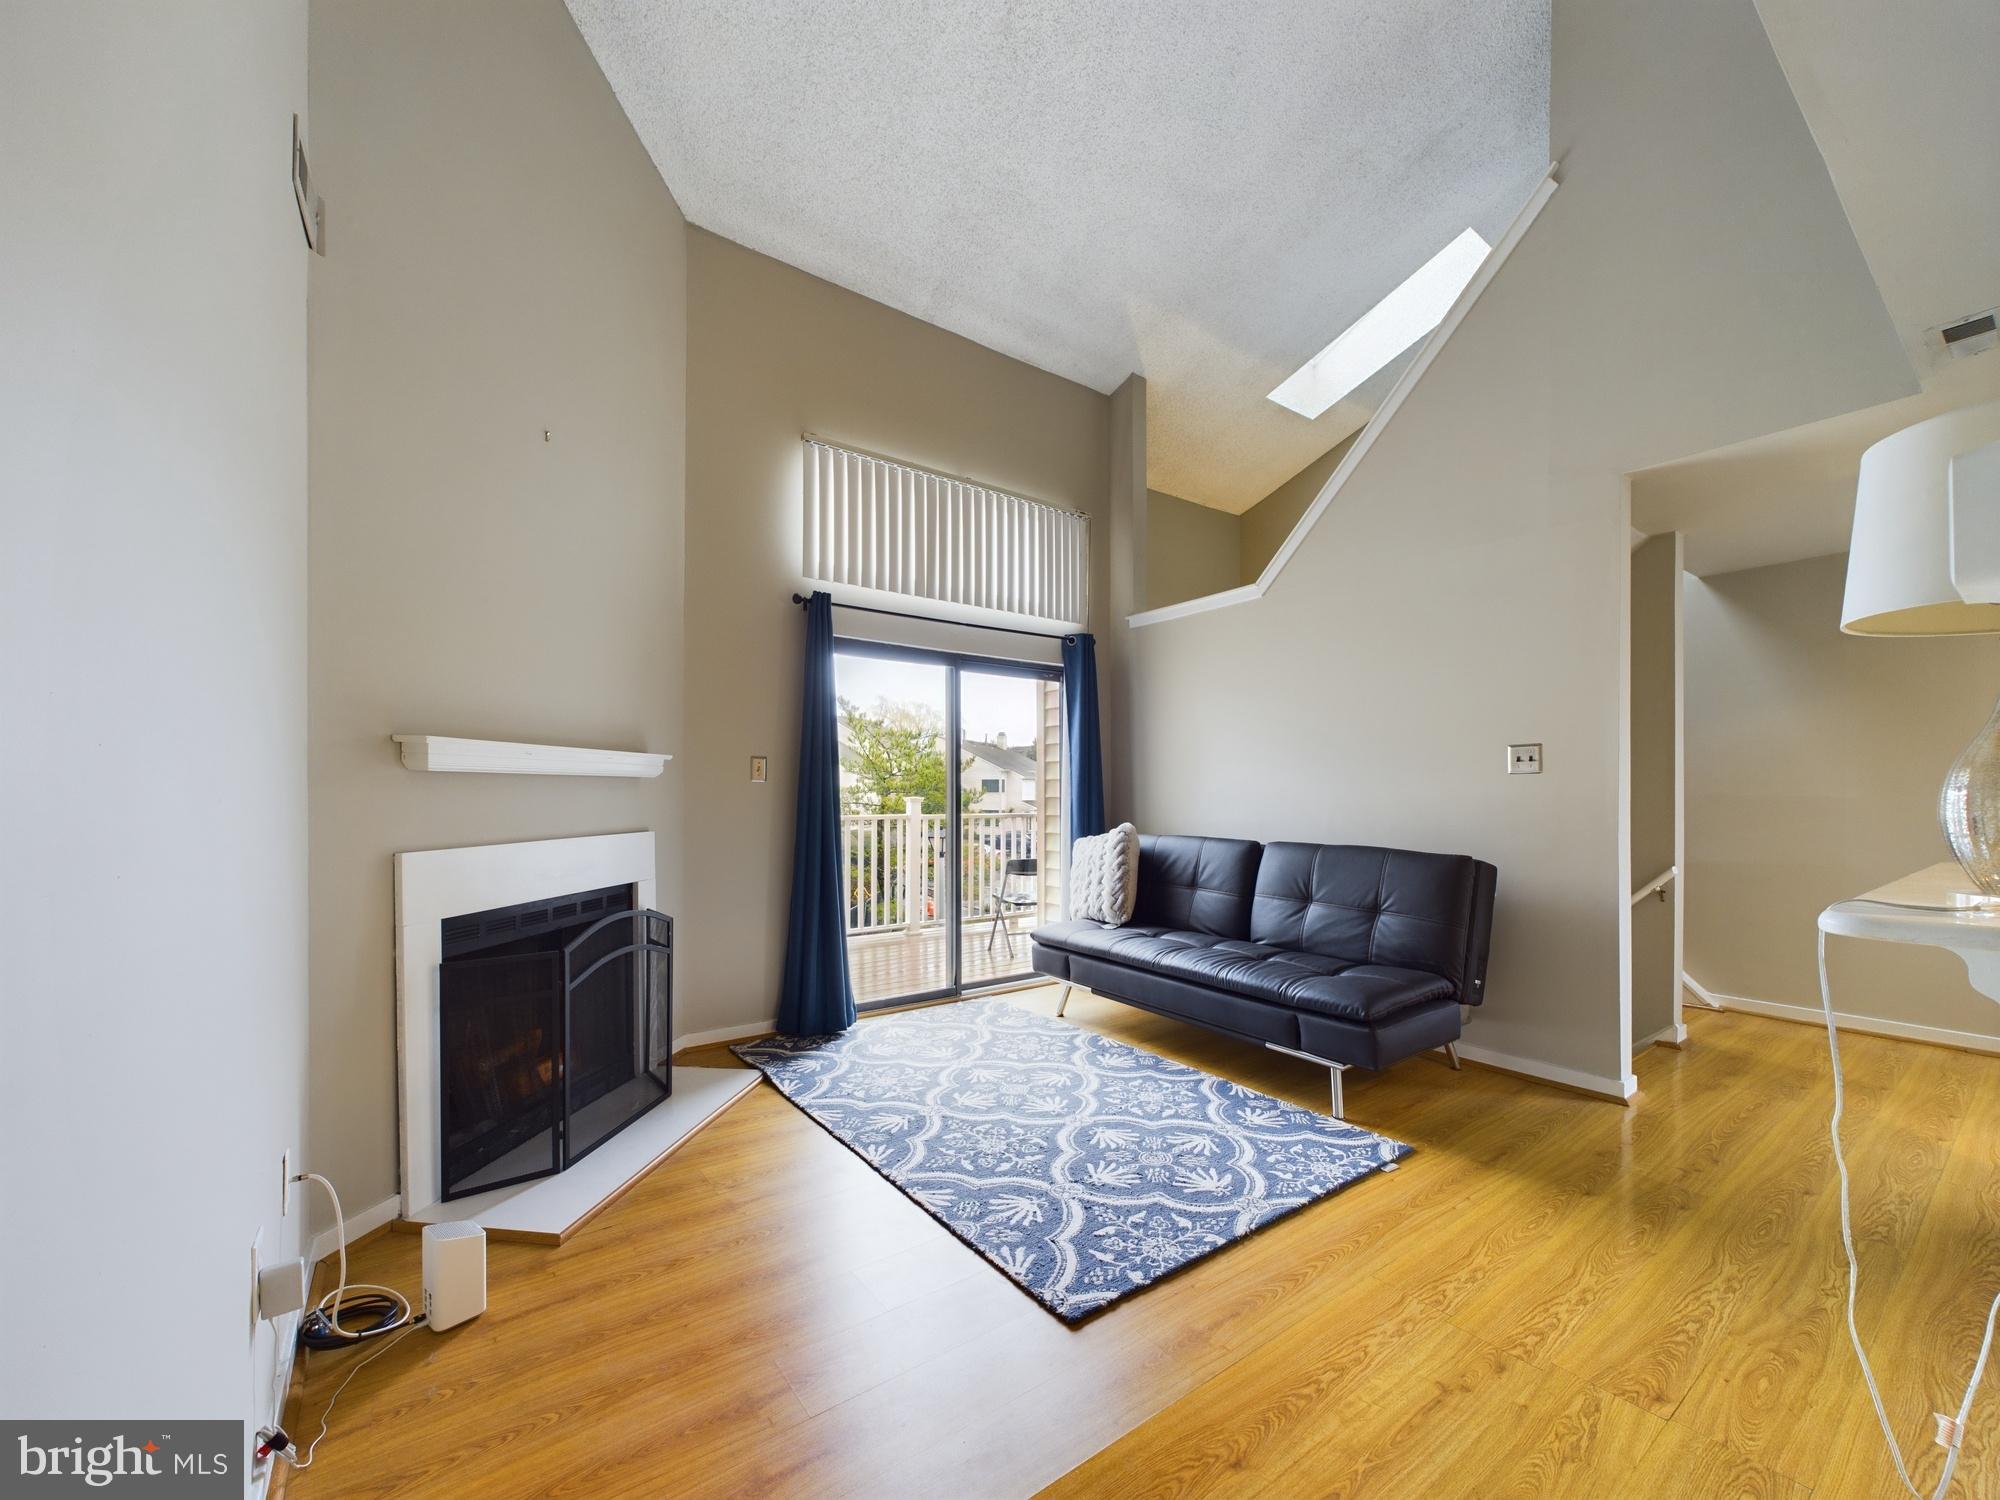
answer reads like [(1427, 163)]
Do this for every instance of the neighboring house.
[(849, 777), (1005, 776), (1002, 778)]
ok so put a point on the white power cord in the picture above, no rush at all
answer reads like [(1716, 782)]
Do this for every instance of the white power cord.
[(326, 1416), (399, 1320), (329, 1305), (1951, 1430)]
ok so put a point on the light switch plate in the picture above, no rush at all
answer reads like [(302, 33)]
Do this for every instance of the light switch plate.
[(760, 768), (1524, 760)]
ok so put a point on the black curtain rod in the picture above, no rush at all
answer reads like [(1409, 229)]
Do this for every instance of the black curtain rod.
[(897, 614)]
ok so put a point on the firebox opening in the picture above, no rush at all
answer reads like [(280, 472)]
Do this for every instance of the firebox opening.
[(555, 1033)]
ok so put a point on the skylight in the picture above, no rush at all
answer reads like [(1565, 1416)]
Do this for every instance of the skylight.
[(1385, 330)]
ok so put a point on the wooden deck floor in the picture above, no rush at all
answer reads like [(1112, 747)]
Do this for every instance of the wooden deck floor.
[(1554, 1297), (884, 965)]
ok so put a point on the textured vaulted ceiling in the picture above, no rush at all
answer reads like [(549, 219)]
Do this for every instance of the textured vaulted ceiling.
[(1203, 193)]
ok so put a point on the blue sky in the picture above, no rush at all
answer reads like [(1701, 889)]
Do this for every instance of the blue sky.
[(989, 704)]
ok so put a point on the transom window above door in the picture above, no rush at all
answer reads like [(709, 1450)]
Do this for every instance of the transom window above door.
[(874, 523)]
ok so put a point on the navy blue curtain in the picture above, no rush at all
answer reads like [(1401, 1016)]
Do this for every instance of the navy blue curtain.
[(817, 998), (1083, 759)]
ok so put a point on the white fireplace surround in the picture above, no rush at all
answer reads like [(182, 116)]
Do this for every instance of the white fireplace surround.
[(432, 884)]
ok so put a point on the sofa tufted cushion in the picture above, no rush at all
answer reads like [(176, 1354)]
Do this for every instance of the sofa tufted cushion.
[(1196, 884), (1139, 946), (1307, 982), (1104, 876), (1302, 981), (1376, 907)]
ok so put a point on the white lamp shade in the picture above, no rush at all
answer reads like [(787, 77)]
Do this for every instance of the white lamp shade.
[(1899, 561)]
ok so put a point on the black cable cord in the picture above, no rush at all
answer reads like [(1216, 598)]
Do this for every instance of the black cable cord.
[(316, 1329)]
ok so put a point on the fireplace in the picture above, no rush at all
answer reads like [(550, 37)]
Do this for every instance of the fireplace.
[(554, 1033)]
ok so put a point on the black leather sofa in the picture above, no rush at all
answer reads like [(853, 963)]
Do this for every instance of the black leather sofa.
[(1342, 954)]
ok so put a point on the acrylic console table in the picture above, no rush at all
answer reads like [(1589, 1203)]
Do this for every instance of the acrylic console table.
[(1936, 906)]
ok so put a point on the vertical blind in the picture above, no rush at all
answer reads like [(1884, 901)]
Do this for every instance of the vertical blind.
[(874, 524)]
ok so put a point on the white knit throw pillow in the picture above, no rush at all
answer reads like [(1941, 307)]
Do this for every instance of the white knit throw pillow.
[(1104, 876)]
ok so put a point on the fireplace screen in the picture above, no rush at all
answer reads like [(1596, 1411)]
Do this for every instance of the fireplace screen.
[(555, 1033)]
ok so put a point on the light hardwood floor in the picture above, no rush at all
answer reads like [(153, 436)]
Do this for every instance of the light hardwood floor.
[(1554, 1297)]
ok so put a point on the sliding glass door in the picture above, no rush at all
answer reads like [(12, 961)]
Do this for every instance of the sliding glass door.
[(894, 833), (1004, 756), (951, 786)]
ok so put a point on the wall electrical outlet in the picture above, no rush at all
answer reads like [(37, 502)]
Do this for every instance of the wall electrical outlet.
[(1524, 760), (285, 1183)]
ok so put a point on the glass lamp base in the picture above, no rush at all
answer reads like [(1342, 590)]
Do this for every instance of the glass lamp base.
[(1973, 901), (1969, 809)]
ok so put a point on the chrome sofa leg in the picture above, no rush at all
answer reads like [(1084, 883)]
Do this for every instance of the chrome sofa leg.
[(1451, 1055), (1063, 1004), (1335, 1068)]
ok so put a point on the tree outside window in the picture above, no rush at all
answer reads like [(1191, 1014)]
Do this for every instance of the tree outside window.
[(895, 751)]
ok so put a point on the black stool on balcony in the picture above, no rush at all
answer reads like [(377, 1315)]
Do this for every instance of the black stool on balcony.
[(1011, 900)]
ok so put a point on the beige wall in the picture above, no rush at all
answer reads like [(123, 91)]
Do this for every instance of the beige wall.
[(502, 259), (1655, 783), (152, 668), (1266, 524), (1195, 550), (1191, 550), (1813, 765), (1693, 282), (774, 353), (1126, 508)]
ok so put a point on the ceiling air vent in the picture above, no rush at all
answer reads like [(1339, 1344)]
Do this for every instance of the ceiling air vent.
[(1974, 335)]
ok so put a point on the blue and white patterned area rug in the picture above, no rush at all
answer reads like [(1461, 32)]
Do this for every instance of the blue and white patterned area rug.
[(1080, 1166)]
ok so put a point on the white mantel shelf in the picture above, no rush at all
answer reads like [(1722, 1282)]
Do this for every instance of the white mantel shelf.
[(439, 752)]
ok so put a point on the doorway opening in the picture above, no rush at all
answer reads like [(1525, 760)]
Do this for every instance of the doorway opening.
[(1657, 850)]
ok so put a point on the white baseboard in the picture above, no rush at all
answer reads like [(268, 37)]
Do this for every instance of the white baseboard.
[(1600, 1084), (1672, 1036), (1908, 1031), (358, 1224), (1702, 993), (725, 1034), (770, 1027)]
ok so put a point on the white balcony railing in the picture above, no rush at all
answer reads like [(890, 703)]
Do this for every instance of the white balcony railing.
[(895, 865)]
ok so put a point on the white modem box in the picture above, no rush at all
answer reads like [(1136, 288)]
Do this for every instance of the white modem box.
[(454, 1273)]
